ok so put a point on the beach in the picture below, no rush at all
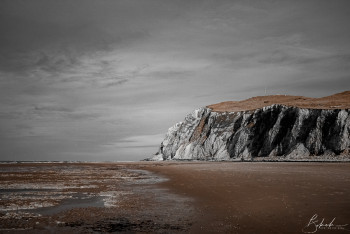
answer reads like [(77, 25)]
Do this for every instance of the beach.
[(263, 197), (175, 197)]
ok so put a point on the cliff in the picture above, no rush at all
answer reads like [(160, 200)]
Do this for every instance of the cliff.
[(275, 127)]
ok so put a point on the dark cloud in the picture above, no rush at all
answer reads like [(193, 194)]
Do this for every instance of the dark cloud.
[(50, 108), (283, 57), (170, 74), (51, 35)]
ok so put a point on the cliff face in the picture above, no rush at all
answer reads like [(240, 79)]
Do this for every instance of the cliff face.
[(275, 132)]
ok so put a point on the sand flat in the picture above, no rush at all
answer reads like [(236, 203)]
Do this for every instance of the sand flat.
[(262, 197), (180, 197)]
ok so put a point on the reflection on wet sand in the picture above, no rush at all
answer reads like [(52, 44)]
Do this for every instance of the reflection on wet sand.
[(80, 197)]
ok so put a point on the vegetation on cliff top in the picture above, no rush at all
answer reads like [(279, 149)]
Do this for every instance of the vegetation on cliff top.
[(336, 101)]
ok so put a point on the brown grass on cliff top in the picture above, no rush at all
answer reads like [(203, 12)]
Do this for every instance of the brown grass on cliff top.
[(336, 101)]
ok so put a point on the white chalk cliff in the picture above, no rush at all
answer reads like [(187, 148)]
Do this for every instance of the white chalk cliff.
[(273, 132)]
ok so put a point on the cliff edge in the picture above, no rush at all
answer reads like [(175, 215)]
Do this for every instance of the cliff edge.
[(266, 128)]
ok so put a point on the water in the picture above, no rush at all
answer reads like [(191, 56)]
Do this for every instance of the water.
[(81, 201)]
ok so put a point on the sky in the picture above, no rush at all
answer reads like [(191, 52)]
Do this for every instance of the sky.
[(103, 80)]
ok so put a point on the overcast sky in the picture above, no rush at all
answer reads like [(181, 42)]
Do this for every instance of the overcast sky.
[(103, 80)]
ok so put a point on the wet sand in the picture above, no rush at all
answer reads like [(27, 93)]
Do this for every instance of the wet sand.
[(175, 197), (263, 197), (88, 198)]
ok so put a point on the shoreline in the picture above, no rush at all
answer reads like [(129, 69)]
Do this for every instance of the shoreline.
[(252, 161), (149, 161)]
